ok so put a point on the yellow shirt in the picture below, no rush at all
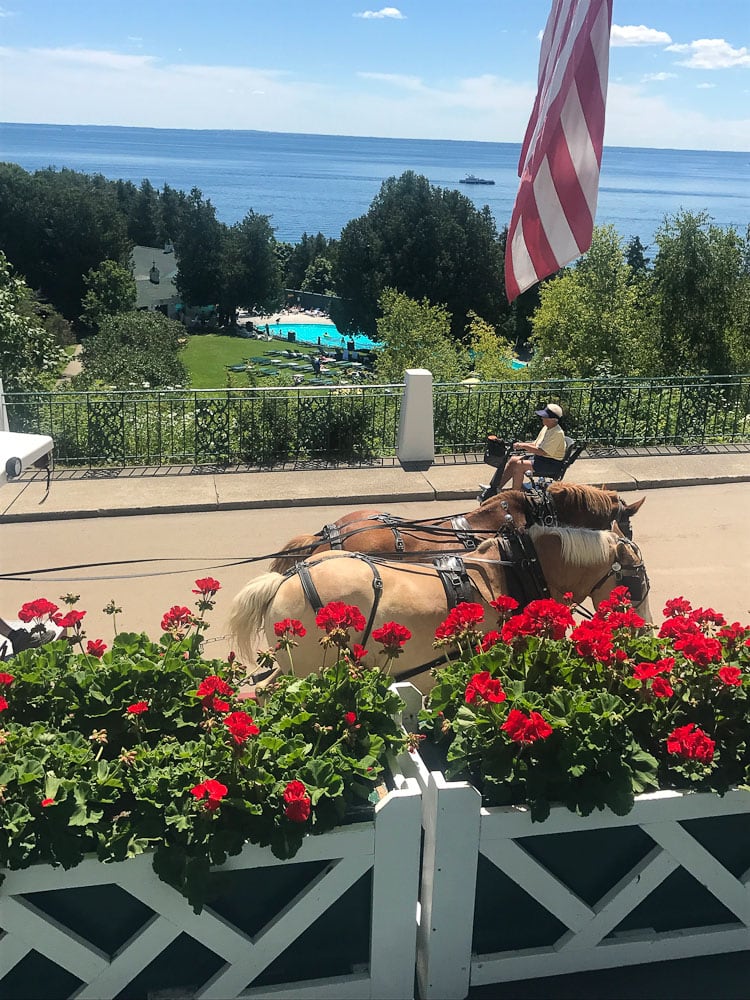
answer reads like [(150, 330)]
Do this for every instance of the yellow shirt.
[(551, 440)]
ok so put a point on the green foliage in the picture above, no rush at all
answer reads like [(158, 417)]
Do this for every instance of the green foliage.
[(427, 242), (621, 710), (318, 277), (415, 335), (700, 295), (492, 354), (110, 289), (105, 754), (135, 348), (299, 257), (249, 269), (30, 356), (591, 319)]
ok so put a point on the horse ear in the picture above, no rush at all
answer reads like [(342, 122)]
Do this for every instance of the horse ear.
[(616, 530), (633, 508)]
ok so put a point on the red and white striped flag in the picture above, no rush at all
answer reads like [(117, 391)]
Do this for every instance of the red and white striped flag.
[(553, 217)]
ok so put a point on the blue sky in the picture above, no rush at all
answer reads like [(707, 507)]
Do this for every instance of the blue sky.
[(679, 69)]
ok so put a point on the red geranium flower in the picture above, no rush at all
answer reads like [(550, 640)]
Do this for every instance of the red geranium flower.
[(461, 622), (483, 687), (350, 718), (593, 641), (138, 708), (47, 802), (392, 636), (644, 671), (339, 616), (675, 628), (526, 728), (207, 585), (3, 704), (291, 625), (490, 639), (70, 619), (209, 688), (548, 618), (176, 619), (677, 606), (707, 616), (731, 676), (35, 610), (358, 652), (211, 790), (241, 726), (96, 648), (661, 688), (699, 648), (297, 808), (691, 743), (505, 606), (7, 678)]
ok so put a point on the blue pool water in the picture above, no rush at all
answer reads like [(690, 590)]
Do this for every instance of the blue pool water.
[(325, 334)]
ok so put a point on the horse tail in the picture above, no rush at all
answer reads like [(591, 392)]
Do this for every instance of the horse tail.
[(248, 611), (300, 548)]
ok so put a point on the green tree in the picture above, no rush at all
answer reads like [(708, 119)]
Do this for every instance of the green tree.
[(200, 253), (592, 318), (145, 225), (110, 289), (135, 348), (301, 255), (699, 281), (250, 273), (30, 357), (635, 256), (319, 277), (427, 242), (415, 335), (492, 354)]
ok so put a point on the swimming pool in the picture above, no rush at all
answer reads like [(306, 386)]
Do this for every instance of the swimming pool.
[(325, 334)]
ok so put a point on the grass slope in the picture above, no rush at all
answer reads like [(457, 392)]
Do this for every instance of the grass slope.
[(208, 355)]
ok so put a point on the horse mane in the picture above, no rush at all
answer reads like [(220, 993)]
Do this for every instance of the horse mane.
[(571, 498), (579, 546)]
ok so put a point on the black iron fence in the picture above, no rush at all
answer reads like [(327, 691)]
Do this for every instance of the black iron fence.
[(356, 425), (609, 413)]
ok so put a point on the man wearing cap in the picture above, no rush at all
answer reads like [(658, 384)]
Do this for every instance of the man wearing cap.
[(544, 454)]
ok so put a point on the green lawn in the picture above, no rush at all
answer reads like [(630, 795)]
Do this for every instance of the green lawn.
[(207, 356)]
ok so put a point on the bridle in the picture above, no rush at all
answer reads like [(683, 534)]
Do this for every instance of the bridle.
[(634, 577)]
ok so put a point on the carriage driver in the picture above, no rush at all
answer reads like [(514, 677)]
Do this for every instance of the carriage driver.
[(543, 455)]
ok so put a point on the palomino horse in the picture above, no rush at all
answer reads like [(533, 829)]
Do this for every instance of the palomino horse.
[(372, 532), (572, 560)]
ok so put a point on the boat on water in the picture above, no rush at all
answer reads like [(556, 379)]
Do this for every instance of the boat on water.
[(471, 179)]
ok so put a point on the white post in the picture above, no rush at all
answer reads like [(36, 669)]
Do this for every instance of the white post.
[(452, 820), (4, 426), (416, 432), (395, 887)]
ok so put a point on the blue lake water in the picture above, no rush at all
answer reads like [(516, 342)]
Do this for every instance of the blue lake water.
[(315, 183)]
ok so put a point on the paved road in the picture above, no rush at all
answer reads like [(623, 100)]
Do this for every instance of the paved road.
[(694, 539)]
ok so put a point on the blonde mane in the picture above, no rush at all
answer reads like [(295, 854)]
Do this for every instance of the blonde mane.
[(579, 546)]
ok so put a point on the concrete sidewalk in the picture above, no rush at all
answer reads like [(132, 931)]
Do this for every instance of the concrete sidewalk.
[(99, 493)]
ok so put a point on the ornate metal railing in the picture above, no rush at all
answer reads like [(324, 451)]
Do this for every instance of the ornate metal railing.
[(607, 413), (356, 425), (253, 427)]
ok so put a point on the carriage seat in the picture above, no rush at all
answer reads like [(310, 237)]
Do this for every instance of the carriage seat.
[(573, 449)]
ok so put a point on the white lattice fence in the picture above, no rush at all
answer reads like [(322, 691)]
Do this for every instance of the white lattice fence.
[(98, 929), (504, 899)]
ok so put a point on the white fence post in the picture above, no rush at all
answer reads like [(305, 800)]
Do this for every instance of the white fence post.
[(451, 819), (416, 431), (395, 888), (4, 426)]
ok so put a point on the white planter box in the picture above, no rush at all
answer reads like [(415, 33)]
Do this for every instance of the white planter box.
[(99, 929), (505, 899)]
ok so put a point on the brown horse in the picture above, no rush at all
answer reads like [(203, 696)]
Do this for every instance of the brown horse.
[(584, 563), (372, 532)]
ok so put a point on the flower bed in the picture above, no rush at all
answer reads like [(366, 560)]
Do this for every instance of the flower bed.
[(591, 717), (147, 756)]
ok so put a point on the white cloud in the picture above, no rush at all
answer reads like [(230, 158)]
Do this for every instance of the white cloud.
[(4, 12), (658, 77), (625, 35), (393, 12), (96, 57), (707, 86), (396, 79), (711, 53)]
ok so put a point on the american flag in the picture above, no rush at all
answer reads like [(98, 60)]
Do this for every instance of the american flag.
[(553, 217)]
